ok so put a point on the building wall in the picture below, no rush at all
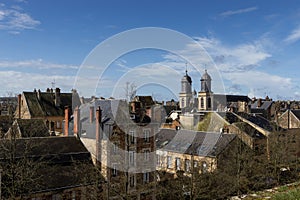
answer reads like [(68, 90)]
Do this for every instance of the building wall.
[(288, 120), (204, 164)]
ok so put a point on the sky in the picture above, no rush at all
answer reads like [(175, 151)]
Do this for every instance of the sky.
[(248, 47)]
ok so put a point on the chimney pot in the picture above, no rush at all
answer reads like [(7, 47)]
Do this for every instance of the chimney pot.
[(67, 114)]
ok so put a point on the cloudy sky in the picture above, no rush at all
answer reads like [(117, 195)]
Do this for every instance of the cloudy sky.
[(248, 47)]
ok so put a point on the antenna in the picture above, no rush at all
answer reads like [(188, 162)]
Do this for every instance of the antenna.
[(53, 84), (186, 67)]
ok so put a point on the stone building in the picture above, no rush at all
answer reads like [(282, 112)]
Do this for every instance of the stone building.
[(290, 119), (48, 106), (122, 144), (184, 150)]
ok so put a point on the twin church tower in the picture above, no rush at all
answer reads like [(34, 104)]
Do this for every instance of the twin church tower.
[(189, 99)]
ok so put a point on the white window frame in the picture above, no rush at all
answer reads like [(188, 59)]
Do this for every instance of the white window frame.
[(146, 133), (169, 162), (132, 138), (187, 165), (177, 163), (146, 155), (114, 169), (131, 158)]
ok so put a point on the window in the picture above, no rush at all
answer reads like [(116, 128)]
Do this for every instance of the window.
[(158, 160), (182, 103), (58, 124), (146, 155), (114, 169), (146, 135), (115, 148), (204, 167), (73, 195), (202, 102), (169, 162), (56, 197), (177, 163), (132, 137), (146, 177), (209, 102), (131, 181), (195, 164), (131, 158), (187, 165)]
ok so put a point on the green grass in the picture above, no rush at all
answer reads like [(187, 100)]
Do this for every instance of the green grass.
[(293, 194)]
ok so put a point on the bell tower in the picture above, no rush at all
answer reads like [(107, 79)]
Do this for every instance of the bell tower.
[(205, 96), (185, 96)]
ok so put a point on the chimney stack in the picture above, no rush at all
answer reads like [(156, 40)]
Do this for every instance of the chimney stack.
[(98, 136), (67, 114), (57, 97), (39, 94), (76, 127), (259, 103), (19, 107)]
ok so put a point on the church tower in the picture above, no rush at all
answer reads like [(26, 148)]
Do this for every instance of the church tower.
[(185, 96), (205, 96)]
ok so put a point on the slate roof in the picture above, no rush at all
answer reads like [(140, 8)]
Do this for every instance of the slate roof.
[(264, 106), (231, 98), (46, 106), (249, 130), (193, 142), (30, 128), (57, 161), (296, 113), (113, 112), (5, 123), (229, 117), (259, 121)]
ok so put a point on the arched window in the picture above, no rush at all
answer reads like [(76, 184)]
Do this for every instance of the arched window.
[(202, 102), (208, 102), (182, 103)]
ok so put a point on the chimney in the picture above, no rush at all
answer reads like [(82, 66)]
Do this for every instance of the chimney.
[(259, 103), (91, 114), (67, 114), (39, 94), (19, 108), (57, 97), (132, 106), (98, 136), (76, 127)]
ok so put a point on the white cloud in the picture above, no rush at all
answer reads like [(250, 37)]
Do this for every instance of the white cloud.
[(240, 11), (37, 63), (13, 19), (260, 84), (240, 67), (23, 81), (293, 36)]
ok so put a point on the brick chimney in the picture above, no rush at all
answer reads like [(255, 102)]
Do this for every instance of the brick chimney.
[(91, 114), (76, 127), (20, 105), (67, 114), (57, 97), (259, 103), (98, 135)]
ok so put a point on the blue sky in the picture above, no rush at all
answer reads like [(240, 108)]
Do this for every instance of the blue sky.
[(253, 44)]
